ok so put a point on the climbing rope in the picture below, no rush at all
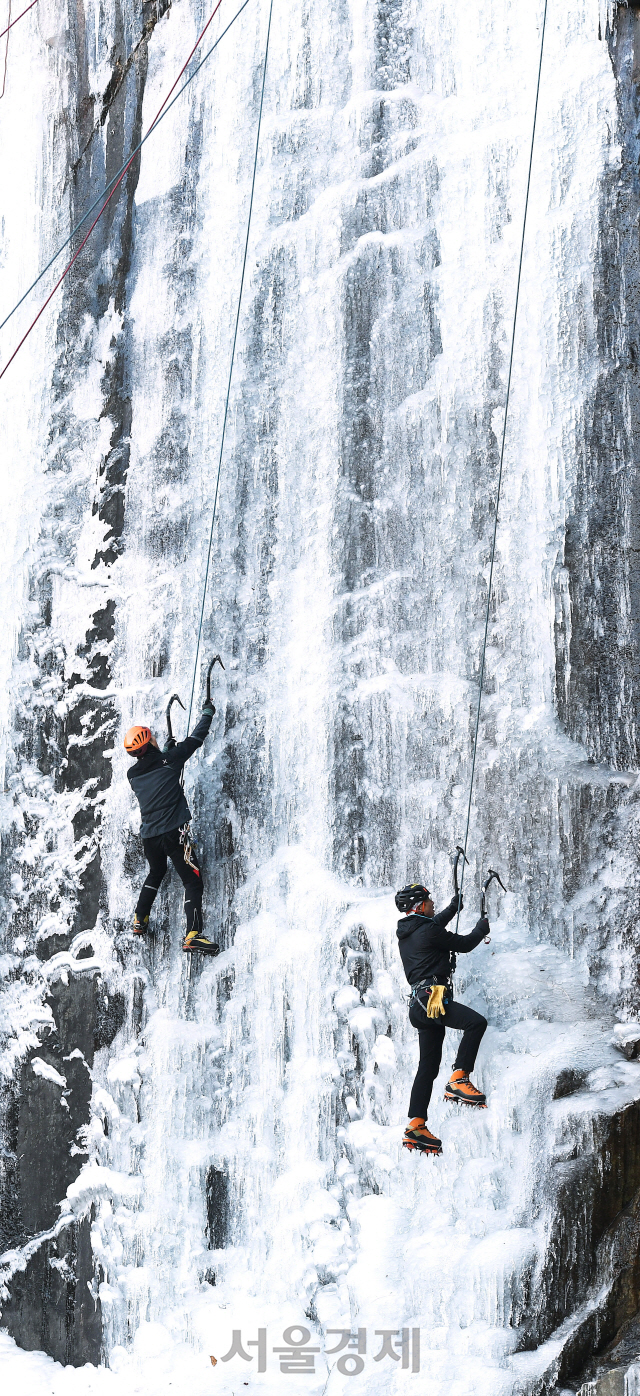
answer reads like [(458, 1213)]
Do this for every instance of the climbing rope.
[(113, 184), (6, 52), (504, 437), (233, 353), (15, 21)]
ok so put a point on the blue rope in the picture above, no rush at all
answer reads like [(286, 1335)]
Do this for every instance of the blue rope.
[(123, 167), (233, 352), (504, 437)]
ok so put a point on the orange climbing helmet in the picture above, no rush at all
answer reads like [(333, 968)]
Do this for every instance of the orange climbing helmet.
[(136, 740)]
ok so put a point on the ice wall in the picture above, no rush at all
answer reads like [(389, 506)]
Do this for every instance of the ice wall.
[(224, 1141)]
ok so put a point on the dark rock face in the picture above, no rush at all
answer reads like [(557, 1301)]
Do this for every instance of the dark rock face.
[(594, 1240), (607, 1334), (594, 1249), (48, 1122), (597, 639), (52, 1305), (217, 1199), (52, 1308)]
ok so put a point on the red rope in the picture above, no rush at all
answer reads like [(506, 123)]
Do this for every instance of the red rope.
[(108, 199), (15, 21)]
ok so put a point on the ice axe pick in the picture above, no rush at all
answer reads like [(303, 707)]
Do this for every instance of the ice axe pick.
[(483, 903), (175, 698), (460, 853), (216, 660)]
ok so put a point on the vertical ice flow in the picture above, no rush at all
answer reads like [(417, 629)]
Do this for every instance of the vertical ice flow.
[(243, 1159)]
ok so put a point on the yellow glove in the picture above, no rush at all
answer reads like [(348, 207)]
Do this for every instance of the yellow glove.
[(435, 1006)]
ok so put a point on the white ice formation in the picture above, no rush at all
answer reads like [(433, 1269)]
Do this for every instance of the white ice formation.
[(239, 1160)]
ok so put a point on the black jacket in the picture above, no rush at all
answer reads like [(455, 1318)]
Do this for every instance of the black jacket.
[(428, 951), (155, 781)]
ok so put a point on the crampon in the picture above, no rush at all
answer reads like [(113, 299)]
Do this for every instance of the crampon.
[(422, 1140), (200, 944), (461, 1091)]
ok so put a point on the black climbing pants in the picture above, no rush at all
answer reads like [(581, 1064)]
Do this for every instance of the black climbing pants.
[(431, 1036), (157, 850)]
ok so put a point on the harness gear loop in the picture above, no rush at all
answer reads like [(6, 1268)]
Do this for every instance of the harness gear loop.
[(502, 448), (184, 836)]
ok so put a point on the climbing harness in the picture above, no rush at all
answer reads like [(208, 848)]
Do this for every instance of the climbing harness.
[(483, 900), (502, 448), (416, 989), (431, 984), (114, 184), (233, 354), (15, 21)]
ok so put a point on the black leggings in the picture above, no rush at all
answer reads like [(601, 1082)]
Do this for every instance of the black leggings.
[(157, 850), (431, 1036)]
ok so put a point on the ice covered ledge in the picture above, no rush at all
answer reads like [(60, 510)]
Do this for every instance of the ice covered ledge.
[(597, 1203)]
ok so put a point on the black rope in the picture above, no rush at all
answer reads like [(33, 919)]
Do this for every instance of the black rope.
[(233, 353), (504, 436)]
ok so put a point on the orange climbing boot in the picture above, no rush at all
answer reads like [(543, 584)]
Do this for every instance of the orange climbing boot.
[(417, 1136), (462, 1091)]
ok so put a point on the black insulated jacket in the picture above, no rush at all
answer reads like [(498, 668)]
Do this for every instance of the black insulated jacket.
[(155, 781), (428, 950)]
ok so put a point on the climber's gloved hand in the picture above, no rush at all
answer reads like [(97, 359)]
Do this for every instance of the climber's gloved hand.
[(483, 925), (435, 1006), (459, 902), (169, 745), (208, 708)]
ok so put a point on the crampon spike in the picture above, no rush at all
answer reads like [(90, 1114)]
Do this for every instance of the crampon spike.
[(420, 1148)]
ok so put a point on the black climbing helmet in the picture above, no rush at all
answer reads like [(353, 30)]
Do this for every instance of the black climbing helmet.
[(411, 896)]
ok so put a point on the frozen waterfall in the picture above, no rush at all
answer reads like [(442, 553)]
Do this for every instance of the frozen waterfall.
[(196, 1150)]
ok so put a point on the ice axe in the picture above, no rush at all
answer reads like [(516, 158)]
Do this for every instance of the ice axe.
[(460, 853), (483, 902), (216, 660), (171, 741)]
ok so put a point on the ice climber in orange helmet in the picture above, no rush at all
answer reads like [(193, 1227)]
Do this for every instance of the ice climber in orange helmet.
[(155, 781)]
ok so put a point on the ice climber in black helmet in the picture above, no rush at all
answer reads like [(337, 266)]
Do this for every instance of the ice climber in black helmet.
[(428, 952)]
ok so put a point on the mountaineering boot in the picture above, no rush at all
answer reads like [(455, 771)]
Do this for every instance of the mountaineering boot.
[(417, 1136), (197, 941), (140, 926), (462, 1091)]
